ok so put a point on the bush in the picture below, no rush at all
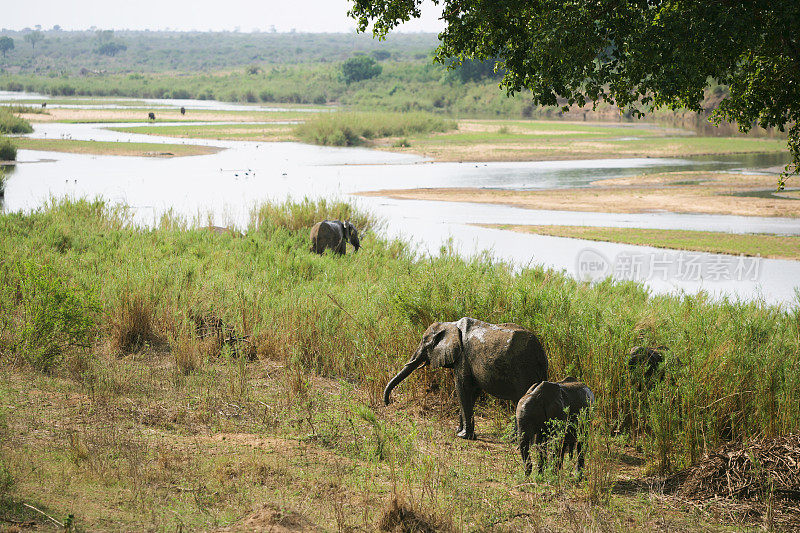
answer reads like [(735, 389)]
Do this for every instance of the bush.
[(8, 152), (10, 123), (360, 68), (44, 315), (350, 129)]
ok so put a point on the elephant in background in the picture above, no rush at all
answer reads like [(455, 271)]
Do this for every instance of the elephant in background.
[(183, 110), (547, 401), (151, 116), (504, 360), (333, 235), (219, 230), (644, 362)]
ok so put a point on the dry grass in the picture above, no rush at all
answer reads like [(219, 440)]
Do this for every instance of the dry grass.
[(131, 324), (195, 457)]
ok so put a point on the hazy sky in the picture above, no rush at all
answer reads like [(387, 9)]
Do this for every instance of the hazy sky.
[(246, 15)]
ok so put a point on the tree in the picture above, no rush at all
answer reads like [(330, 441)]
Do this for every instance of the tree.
[(360, 68), (6, 44), (33, 38), (111, 48), (639, 55), (475, 70)]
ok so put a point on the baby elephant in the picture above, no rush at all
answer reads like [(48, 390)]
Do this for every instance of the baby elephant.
[(334, 235), (547, 401), (645, 363)]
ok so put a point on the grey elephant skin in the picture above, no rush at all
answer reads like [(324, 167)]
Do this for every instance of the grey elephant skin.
[(548, 401), (333, 235), (503, 360)]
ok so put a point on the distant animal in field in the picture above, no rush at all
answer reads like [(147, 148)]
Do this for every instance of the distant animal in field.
[(645, 363), (333, 235), (44, 104), (219, 230), (151, 115), (548, 401), (183, 110), (503, 360)]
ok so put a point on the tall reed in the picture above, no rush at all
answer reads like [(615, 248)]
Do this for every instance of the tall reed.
[(732, 367)]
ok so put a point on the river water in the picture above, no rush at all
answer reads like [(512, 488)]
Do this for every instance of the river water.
[(229, 183)]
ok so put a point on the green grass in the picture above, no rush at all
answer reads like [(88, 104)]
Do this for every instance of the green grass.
[(10, 123), (112, 148), (142, 412), (227, 131), (775, 246), (349, 129)]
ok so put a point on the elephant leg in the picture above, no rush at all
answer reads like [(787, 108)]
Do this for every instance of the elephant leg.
[(467, 394), (580, 460), (524, 450), (542, 457)]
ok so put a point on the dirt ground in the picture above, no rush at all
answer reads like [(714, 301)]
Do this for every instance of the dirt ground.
[(142, 448)]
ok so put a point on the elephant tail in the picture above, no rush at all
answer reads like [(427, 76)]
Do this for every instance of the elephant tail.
[(403, 374)]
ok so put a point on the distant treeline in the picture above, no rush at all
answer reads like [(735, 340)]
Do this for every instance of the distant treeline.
[(399, 87), (146, 51)]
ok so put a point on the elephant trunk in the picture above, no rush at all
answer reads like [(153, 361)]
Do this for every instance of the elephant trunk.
[(403, 374)]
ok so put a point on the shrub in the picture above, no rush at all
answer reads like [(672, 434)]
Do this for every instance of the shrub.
[(349, 129), (45, 316), (8, 152), (360, 68), (10, 123)]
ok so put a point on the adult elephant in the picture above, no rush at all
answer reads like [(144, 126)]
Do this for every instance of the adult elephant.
[(333, 235), (502, 359)]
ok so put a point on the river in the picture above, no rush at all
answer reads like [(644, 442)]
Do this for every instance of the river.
[(229, 183)]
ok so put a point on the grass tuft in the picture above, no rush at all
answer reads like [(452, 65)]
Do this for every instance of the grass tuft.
[(352, 129)]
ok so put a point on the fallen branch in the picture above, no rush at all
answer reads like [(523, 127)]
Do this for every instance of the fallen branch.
[(59, 524)]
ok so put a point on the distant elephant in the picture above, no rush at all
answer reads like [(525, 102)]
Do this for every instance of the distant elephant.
[(219, 230), (151, 115), (183, 110), (333, 235), (547, 401), (645, 362), (504, 360), (44, 104)]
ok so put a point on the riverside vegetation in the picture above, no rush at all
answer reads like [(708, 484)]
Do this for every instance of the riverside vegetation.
[(176, 377)]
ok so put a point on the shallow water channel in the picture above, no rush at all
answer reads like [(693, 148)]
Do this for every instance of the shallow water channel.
[(229, 183)]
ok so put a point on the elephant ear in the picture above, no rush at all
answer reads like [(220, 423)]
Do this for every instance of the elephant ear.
[(446, 348)]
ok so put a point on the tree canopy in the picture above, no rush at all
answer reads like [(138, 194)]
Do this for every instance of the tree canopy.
[(636, 54), (6, 44), (33, 38), (360, 68)]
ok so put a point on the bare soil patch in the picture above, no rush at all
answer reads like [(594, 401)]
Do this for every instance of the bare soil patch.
[(683, 192)]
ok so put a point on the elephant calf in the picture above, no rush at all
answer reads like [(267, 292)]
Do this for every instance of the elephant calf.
[(333, 235), (646, 362), (548, 401)]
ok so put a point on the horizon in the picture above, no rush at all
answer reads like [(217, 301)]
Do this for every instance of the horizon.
[(202, 16)]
